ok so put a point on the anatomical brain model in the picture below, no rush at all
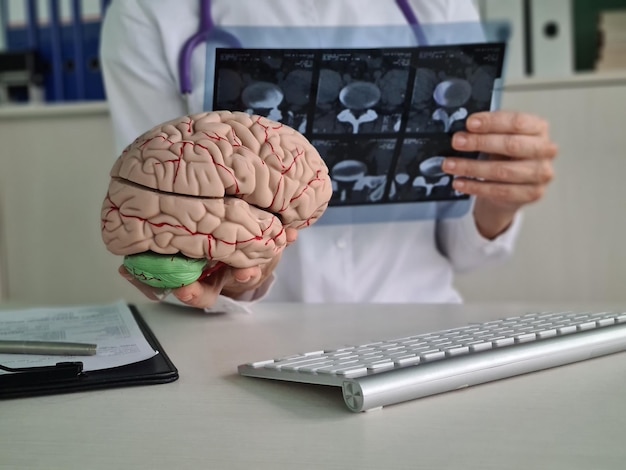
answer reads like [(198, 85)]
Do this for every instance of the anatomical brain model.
[(210, 189)]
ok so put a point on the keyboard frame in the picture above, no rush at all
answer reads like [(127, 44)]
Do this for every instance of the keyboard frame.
[(375, 389)]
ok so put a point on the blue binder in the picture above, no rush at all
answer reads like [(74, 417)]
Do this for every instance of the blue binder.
[(69, 51)]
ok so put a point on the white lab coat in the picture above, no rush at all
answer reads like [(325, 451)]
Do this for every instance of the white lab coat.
[(410, 261)]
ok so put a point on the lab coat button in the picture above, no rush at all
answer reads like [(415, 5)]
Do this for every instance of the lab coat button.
[(341, 244)]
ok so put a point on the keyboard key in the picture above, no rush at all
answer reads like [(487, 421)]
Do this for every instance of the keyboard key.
[(407, 361), (463, 338), (525, 337), (505, 331), (396, 354), (380, 365), (393, 349), (605, 322), (313, 368), (481, 346), (506, 341), (301, 361), (588, 325), (309, 365), (346, 369), (564, 330), (457, 351), (547, 333), (314, 353), (260, 364), (371, 356), (432, 355), (339, 350)]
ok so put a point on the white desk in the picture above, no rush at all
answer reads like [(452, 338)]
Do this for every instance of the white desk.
[(572, 417)]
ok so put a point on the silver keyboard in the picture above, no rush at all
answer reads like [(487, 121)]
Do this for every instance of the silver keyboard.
[(386, 372)]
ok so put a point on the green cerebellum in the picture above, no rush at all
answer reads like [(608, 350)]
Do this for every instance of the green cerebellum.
[(166, 271)]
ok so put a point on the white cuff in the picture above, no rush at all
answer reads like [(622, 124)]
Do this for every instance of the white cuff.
[(467, 248), (469, 234), (243, 303)]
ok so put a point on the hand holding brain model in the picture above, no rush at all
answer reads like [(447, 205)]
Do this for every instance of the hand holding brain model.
[(210, 190)]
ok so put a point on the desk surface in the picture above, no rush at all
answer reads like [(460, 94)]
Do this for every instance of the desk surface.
[(572, 417)]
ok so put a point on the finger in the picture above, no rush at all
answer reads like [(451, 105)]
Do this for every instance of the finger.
[(292, 235), (203, 294), (242, 281), (509, 145), (243, 276), (150, 292), (507, 122), (502, 194), (503, 171)]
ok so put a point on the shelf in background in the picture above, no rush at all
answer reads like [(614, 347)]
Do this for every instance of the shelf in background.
[(12, 111), (578, 80)]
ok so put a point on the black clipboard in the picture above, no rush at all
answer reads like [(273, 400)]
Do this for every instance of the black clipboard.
[(69, 377)]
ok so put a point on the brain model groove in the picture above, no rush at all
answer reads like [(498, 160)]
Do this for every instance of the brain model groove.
[(219, 186)]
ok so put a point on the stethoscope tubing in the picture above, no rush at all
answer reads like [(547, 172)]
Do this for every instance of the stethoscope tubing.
[(207, 27)]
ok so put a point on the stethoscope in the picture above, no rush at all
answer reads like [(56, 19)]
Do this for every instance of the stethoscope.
[(208, 31)]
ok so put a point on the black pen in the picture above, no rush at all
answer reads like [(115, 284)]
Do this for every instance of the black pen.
[(47, 348)]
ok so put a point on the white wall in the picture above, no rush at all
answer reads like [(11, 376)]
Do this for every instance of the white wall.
[(53, 178), (55, 168), (572, 243)]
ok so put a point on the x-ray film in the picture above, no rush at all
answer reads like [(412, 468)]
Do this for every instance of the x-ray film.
[(381, 117)]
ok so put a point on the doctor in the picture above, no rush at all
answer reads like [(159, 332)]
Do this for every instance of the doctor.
[(379, 262)]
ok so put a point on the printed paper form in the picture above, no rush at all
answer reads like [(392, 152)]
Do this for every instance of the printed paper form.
[(111, 326)]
